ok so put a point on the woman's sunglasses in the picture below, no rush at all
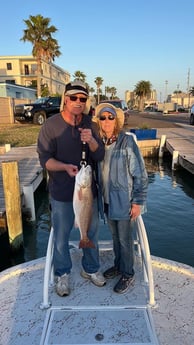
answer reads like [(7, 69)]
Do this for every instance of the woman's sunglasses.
[(109, 117), (81, 99)]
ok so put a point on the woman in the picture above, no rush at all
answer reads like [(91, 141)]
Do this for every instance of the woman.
[(123, 184)]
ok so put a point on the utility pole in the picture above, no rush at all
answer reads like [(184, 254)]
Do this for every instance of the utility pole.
[(188, 87)]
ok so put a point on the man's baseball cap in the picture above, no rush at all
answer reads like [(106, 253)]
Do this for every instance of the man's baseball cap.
[(76, 86)]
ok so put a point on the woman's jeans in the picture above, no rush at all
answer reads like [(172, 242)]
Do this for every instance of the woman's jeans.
[(122, 245), (62, 217)]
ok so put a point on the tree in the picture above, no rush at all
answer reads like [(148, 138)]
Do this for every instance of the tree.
[(39, 33), (33, 84), (80, 76), (113, 91), (142, 90), (107, 91), (91, 90), (51, 51), (98, 81), (191, 91), (44, 90)]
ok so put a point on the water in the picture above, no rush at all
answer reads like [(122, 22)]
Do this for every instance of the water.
[(169, 221), (170, 218)]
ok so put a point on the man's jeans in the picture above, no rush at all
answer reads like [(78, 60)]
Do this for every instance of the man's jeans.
[(123, 245), (62, 216)]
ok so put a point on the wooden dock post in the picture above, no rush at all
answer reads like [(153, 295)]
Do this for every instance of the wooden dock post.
[(5, 148), (29, 201), (12, 202), (162, 145), (175, 157)]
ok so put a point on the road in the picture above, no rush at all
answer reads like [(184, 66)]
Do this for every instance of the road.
[(157, 120)]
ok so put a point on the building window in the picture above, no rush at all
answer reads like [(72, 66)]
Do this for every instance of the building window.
[(28, 83), (26, 69), (34, 68), (9, 66), (18, 94), (12, 81)]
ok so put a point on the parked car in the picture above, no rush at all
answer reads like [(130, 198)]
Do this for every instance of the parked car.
[(38, 111), (119, 103), (181, 109), (191, 119), (151, 109)]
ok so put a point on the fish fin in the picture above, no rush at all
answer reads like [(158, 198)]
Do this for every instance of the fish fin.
[(86, 243)]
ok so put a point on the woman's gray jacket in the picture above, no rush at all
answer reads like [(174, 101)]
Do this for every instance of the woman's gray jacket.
[(128, 180)]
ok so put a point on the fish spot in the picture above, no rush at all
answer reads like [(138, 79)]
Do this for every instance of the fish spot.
[(99, 336)]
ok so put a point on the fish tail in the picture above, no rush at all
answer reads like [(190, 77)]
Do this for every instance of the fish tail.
[(86, 243)]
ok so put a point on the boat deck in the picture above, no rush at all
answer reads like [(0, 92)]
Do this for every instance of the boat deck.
[(87, 314), (92, 315)]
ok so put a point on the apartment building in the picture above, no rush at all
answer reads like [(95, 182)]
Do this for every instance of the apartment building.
[(22, 70), (184, 99), (133, 101)]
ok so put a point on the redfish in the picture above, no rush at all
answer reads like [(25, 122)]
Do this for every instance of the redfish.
[(82, 204)]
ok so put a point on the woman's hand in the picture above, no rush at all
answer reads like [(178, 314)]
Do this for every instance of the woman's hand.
[(135, 211)]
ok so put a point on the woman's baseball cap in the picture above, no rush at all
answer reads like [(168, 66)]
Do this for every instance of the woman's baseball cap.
[(107, 107)]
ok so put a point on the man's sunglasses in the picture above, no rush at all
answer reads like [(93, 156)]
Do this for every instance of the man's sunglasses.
[(81, 99), (109, 117)]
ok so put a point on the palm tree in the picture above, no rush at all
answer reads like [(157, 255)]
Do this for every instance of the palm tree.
[(98, 81), (80, 76), (39, 33), (91, 90), (142, 90), (105, 91), (51, 51), (177, 92), (113, 91)]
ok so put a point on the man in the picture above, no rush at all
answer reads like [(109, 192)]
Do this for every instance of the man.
[(60, 149)]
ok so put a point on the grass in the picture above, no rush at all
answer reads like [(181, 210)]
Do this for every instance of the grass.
[(19, 135)]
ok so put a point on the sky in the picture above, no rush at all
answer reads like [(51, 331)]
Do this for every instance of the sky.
[(123, 42)]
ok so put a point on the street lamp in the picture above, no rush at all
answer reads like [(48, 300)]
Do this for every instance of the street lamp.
[(166, 82), (177, 92)]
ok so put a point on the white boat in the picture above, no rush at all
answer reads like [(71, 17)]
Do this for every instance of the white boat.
[(158, 309)]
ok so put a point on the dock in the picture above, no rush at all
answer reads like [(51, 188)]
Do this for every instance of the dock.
[(180, 143), (30, 176)]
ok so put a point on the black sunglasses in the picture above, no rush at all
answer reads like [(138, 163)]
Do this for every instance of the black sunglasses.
[(81, 99), (109, 117)]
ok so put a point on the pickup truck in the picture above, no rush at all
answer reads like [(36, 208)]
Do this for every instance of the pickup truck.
[(38, 111)]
